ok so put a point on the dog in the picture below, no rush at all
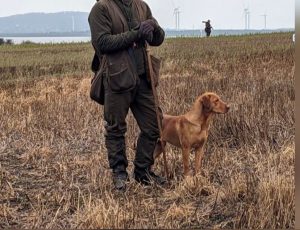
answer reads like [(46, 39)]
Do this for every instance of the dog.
[(190, 131)]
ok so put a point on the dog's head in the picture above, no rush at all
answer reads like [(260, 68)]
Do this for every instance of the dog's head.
[(212, 103)]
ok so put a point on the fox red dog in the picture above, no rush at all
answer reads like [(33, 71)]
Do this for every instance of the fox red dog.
[(190, 131)]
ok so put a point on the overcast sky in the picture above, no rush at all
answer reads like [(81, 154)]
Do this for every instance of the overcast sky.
[(224, 14)]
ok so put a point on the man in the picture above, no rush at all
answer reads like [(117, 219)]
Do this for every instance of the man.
[(120, 30), (208, 27)]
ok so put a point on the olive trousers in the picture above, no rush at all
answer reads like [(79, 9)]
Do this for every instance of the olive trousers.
[(116, 106)]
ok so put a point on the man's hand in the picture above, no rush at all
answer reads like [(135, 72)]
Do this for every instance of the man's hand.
[(145, 29), (153, 22)]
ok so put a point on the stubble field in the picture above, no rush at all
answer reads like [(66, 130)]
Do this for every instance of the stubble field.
[(53, 166)]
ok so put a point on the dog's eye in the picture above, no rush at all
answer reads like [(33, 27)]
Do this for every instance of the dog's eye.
[(216, 100)]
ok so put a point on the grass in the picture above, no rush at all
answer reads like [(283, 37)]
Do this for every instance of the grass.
[(53, 166)]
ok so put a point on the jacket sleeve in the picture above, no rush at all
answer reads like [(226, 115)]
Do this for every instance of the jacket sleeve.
[(159, 33), (101, 31)]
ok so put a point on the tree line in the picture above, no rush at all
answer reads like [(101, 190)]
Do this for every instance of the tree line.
[(7, 41)]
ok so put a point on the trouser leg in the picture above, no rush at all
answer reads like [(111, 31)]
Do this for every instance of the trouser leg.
[(116, 106), (144, 112)]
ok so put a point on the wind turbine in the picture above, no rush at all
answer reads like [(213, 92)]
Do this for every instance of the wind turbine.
[(176, 13)]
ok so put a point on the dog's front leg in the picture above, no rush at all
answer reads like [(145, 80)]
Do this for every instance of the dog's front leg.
[(198, 159), (186, 162)]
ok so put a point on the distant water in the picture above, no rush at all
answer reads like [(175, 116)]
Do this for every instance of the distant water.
[(169, 33), (19, 40)]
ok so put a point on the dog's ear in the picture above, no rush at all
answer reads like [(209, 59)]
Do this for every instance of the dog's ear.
[(206, 103)]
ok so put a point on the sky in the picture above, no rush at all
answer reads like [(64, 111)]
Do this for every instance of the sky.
[(224, 14)]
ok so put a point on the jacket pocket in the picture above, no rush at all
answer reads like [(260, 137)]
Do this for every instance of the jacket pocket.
[(121, 74), (121, 81)]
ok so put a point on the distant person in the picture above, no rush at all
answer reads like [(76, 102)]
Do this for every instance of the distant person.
[(294, 38), (208, 27)]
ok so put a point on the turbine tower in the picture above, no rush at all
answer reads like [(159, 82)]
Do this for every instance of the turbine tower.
[(177, 18), (176, 15), (265, 18), (247, 18)]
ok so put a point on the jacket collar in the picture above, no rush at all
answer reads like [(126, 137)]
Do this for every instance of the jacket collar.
[(126, 2)]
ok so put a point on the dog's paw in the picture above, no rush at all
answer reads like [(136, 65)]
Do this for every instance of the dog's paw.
[(189, 173)]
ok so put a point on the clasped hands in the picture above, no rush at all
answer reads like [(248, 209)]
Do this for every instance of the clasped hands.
[(146, 29)]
